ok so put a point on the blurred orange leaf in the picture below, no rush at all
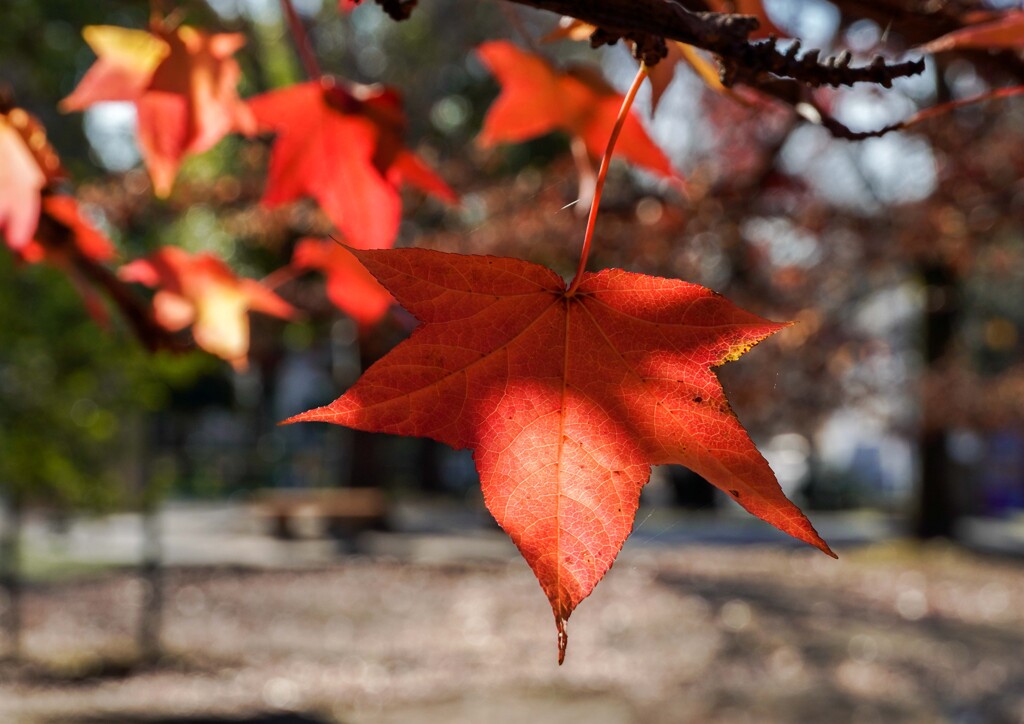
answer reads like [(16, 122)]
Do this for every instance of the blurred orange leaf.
[(570, 28), (765, 28), (182, 81), (202, 291)]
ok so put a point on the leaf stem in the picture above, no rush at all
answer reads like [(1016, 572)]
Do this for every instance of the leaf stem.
[(281, 276), (301, 40), (606, 161)]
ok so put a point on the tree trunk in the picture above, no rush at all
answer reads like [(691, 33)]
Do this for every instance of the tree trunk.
[(151, 558), (151, 572), (936, 509), (10, 572), (364, 471)]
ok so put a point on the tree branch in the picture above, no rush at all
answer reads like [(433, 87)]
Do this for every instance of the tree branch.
[(649, 22), (660, 18), (752, 61), (301, 40), (725, 35)]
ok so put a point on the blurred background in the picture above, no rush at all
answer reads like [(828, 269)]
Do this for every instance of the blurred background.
[(170, 554)]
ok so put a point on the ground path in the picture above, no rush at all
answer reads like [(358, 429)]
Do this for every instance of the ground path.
[(680, 633)]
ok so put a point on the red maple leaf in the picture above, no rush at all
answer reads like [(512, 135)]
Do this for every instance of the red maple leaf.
[(27, 165), (565, 400), (182, 81), (202, 291), (537, 99), (343, 147), (350, 287)]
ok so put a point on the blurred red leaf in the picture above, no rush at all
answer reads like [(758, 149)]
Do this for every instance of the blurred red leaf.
[(68, 241), (64, 234), (343, 147), (1006, 31), (536, 99), (182, 81), (409, 168), (350, 287), (565, 400), (202, 291)]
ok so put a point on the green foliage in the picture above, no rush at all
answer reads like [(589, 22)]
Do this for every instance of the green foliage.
[(70, 393)]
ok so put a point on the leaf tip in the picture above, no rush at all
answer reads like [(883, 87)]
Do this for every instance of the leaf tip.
[(563, 638), (824, 548), (307, 416), (810, 535), (162, 183)]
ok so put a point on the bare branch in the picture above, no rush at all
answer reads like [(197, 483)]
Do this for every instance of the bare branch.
[(752, 61), (649, 22)]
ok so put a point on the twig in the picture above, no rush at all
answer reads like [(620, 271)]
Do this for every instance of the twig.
[(301, 40), (839, 130), (588, 236)]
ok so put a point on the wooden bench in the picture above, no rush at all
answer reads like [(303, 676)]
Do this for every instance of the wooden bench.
[(340, 512)]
